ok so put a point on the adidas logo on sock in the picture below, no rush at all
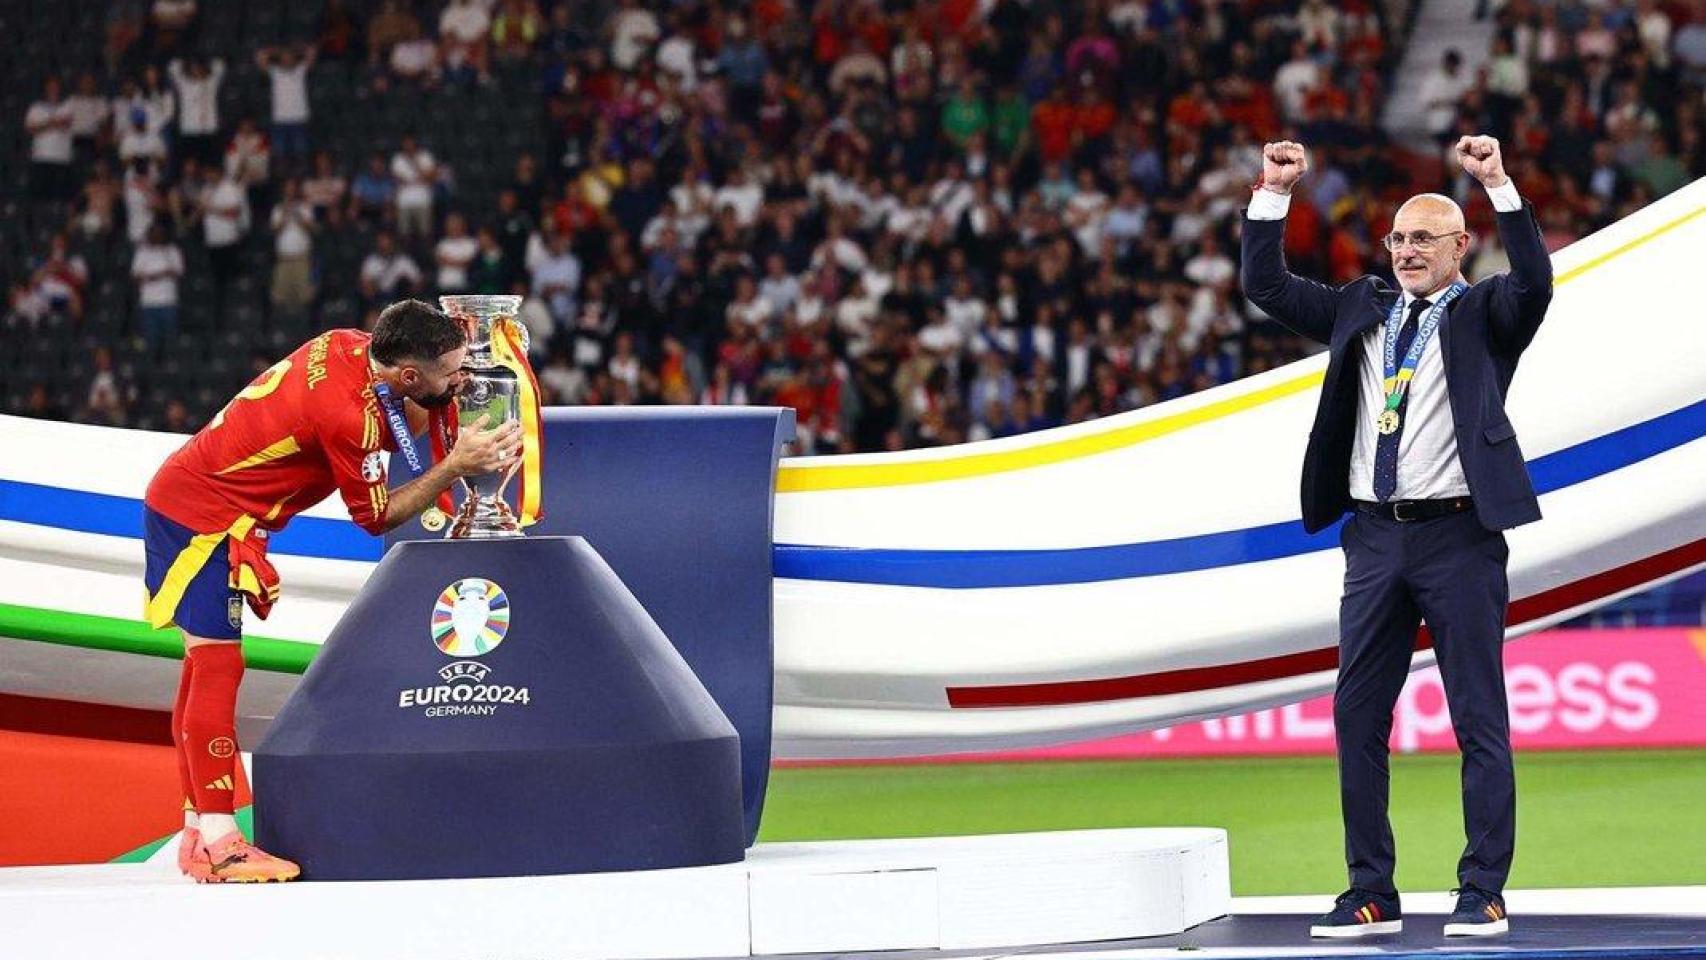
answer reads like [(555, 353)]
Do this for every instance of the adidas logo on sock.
[(223, 783)]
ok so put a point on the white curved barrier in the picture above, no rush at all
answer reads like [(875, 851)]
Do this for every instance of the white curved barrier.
[(1110, 576)]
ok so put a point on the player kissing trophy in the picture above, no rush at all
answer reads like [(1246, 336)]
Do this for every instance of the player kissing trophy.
[(514, 710), (500, 387)]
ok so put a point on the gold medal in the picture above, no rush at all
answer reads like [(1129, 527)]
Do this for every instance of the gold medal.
[(1387, 422), (433, 519)]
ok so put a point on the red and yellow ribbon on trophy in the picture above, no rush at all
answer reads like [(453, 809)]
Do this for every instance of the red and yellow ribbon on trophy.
[(509, 349)]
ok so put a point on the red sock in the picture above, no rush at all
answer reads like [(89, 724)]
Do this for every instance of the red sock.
[(184, 781), (210, 725)]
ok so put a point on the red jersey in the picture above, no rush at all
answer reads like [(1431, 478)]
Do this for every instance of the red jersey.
[(307, 426)]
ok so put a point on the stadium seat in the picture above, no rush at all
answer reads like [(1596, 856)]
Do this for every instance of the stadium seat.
[(245, 316)]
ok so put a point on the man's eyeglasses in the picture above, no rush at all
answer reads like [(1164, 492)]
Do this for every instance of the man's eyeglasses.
[(1423, 241)]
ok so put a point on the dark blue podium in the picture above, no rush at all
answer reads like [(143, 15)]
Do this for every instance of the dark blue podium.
[(679, 501), (498, 708)]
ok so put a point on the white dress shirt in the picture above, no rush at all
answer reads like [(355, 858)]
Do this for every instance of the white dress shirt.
[(1428, 466)]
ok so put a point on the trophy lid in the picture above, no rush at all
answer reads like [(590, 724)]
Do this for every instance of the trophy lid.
[(482, 310)]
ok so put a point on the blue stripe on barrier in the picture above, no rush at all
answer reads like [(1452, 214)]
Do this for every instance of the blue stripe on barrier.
[(964, 569), (961, 569), (117, 516)]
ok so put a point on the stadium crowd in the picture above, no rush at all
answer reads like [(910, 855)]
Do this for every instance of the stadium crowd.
[(917, 223)]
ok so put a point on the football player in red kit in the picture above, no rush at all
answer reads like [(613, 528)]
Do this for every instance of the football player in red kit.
[(313, 423)]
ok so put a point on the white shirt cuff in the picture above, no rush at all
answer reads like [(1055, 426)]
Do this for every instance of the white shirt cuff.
[(1505, 198), (1268, 205)]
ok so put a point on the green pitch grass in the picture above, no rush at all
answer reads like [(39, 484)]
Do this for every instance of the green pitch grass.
[(1583, 819)]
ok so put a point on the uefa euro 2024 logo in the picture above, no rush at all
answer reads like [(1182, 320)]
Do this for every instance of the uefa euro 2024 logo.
[(469, 620)]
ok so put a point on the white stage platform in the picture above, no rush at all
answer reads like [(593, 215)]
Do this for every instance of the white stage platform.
[(862, 895)]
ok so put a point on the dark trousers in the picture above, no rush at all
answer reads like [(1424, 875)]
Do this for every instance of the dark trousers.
[(1449, 571)]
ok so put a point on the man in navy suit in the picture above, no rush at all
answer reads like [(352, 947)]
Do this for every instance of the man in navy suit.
[(1412, 439)]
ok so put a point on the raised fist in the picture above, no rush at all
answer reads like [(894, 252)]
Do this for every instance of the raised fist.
[(1481, 159), (1283, 164)]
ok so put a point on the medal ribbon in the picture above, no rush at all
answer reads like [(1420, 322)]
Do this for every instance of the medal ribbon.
[(509, 350), (399, 425), (1398, 377)]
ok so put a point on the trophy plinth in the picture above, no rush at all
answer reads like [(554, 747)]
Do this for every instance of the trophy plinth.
[(493, 393)]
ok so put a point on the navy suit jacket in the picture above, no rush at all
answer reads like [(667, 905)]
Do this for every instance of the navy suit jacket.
[(1482, 336)]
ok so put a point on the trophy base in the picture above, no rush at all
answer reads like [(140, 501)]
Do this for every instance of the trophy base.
[(484, 520)]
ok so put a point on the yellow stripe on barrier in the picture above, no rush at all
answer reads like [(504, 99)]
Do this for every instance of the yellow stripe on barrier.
[(962, 466), (1575, 272), (794, 479)]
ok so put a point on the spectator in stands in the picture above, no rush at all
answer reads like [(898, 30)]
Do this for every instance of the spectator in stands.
[(327, 188), (455, 254), (1295, 80), (48, 122), (98, 213), (293, 227), (157, 266), (142, 199), (529, 190), (743, 62), (416, 174), (41, 404), (374, 193), (633, 30), (151, 96), (287, 72), (887, 178), (338, 32), (462, 32), (25, 311), (176, 419), (488, 272), (415, 60), (514, 226), (858, 66), (123, 28), (557, 278), (179, 204), (388, 274), (158, 95), (109, 396), (225, 220), (140, 139), (1210, 267), (197, 85), (170, 22), (248, 160), (516, 29), (1439, 94), (589, 333), (393, 24), (60, 278), (90, 113)]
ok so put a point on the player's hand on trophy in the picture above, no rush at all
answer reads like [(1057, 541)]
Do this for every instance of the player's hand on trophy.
[(482, 450), (1283, 164), (1481, 159)]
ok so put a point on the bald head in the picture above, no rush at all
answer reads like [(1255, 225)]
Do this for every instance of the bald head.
[(1423, 268), (1433, 212)]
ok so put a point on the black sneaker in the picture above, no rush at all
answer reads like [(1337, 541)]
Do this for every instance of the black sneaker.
[(1360, 913), (1478, 914)]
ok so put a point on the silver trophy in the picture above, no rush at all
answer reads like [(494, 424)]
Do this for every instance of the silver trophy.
[(493, 392)]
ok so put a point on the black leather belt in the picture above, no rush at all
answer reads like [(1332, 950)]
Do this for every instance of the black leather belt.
[(1405, 511)]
